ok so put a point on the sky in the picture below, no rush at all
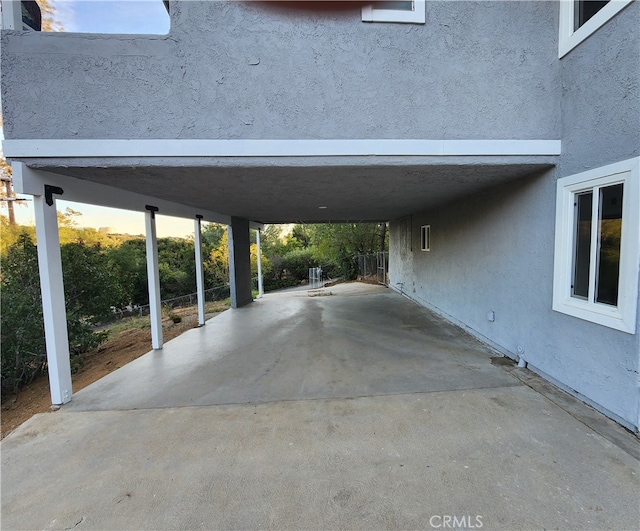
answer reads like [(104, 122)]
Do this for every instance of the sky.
[(112, 16), (116, 16)]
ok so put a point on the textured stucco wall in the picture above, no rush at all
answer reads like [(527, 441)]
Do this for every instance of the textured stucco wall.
[(255, 70), (494, 250), (601, 95), (601, 125)]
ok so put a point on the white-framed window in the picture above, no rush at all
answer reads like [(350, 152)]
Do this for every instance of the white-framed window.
[(580, 18), (597, 245), (148, 17), (425, 237), (410, 12), (22, 16)]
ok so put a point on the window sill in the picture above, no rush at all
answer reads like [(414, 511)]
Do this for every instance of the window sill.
[(595, 313)]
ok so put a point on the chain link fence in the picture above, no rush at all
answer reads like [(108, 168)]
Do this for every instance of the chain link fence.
[(367, 267), (183, 311), (374, 267)]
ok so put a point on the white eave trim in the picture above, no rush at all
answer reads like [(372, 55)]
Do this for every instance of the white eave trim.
[(29, 181), (164, 148)]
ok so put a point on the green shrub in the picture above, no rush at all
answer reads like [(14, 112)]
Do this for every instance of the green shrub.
[(91, 288), (271, 284), (22, 343), (348, 267), (296, 264)]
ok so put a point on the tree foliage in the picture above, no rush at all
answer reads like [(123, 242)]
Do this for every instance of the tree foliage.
[(22, 339), (49, 21), (92, 284), (216, 264), (296, 263), (130, 262), (12, 233), (334, 240), (212, 234), (91, 288)]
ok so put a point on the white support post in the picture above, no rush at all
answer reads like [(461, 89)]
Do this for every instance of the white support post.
[(153, 276), (199, 269), (53, 305), (260, 285)]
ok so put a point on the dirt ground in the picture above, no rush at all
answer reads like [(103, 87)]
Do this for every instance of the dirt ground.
[(124, 346)]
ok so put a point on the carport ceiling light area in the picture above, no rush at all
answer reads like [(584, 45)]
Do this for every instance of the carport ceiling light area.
[(271, 194)]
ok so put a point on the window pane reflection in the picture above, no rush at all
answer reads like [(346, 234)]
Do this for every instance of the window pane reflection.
[(398, 6), (582, 254), (610, 231), (585, 9)]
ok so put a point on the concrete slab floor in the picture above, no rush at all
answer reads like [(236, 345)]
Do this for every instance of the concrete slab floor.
[(416, 448), (341, 342)]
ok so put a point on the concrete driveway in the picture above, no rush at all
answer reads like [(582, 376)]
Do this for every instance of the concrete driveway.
[(350, 409)]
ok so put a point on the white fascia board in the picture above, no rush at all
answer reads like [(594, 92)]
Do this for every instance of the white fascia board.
[(30, 181), (166, 148), (501, 147)]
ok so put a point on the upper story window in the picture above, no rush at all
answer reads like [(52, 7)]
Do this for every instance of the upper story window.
[(83, 16), (584, 11), (21, 16), (598, 244), (409, 12), (581, 18), (31, 16)]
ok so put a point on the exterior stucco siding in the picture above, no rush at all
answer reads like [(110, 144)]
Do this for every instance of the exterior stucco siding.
[(252, 70), (601, 125), (494, 251), (601, 95)]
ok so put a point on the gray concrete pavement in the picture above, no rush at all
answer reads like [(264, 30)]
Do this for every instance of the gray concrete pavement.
[(361, 340), (357, 410)]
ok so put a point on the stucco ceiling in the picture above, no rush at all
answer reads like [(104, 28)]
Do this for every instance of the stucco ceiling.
[(290, 192)]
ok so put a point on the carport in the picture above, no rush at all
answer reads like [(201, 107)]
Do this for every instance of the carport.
[(246, 183), (347, 407)]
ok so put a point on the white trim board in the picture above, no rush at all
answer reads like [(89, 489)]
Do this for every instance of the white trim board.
[(142, 148), (30, 181)]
